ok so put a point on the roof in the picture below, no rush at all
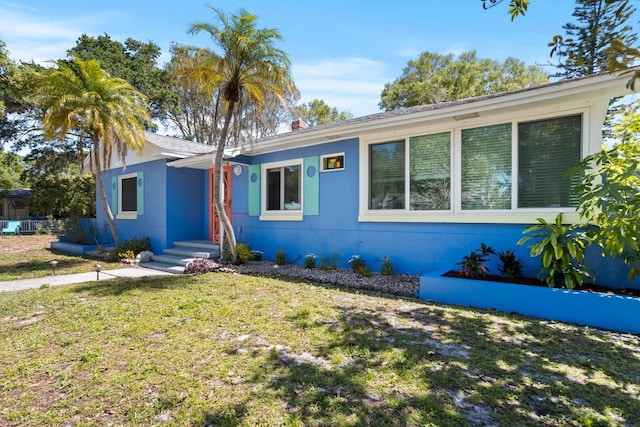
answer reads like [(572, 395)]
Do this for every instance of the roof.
[(177, 147), (604, 85), (18, 193)]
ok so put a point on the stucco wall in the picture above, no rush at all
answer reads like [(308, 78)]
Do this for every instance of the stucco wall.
[(414, 248)]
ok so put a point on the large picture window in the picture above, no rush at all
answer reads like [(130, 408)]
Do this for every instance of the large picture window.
[(486, 167), (284, 188), (500, 167), (387, 176), (547, 148)]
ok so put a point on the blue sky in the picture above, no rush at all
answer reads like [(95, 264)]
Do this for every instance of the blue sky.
[(342, 52)]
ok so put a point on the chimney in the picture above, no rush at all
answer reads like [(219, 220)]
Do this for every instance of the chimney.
[(298, 124)]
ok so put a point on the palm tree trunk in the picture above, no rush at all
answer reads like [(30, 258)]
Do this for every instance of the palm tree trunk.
[(218, 196), (103, 195)]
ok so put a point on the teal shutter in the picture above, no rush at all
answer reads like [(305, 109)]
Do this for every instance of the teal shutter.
[(114, 195), (311, 182), (254, 190), (140, 193)]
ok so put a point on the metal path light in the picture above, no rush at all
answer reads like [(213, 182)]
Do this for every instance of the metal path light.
[(96, 268), (53, 265)]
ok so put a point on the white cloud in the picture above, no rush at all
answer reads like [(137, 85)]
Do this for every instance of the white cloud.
[(348, 84)]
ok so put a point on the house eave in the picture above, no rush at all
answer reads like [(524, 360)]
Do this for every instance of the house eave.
[(591, 87)]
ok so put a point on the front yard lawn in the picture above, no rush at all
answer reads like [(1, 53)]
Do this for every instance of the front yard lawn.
[(227, 349)]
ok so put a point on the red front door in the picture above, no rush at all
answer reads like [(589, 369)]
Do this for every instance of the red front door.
[(214, 221)]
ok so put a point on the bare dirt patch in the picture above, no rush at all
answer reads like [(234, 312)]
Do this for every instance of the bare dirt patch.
[(18, 244)]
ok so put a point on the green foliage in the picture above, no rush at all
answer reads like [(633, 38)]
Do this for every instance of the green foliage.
[(330, 263), (310, 261), (243, 253), (609, 193), (281, 257), (435, 78), (473, 265), (133, 61), (561, 248), (129, 249), (359, 267), (79, 96), (317, 113), (11, 168), (510, 266), (255, 256), (387, 267), (586, 48)]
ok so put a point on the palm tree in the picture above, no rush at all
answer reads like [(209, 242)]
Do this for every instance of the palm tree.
[(80, 97), (249, 69)]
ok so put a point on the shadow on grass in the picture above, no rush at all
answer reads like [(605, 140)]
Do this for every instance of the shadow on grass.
[(120, 286), (42, 265), (448, 366)]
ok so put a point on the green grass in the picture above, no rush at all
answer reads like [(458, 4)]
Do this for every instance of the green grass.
[(233, 350), (35, 263)]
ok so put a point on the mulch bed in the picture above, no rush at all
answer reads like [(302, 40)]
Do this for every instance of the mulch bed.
[(531, 281)]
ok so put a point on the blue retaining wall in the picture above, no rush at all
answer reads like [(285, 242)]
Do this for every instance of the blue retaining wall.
[(615, 312)]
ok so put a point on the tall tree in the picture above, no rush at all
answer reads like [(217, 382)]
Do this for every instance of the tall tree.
[(58, 188), (134, 61), (318, 112), (247, 69), (79, 97), (434, 78), (4, 65), (586, 49), (11, 167), (198, 111)]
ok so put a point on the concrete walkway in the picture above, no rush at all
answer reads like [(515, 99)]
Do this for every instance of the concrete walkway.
[(69, 279)]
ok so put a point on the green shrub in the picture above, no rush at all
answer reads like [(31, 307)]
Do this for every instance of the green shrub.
[(330, 263), (243, 253), (281, 257), (473, 265), (387, 267), (561, 248), (310, 261), (133, 246), (255, 256), (511, 266)]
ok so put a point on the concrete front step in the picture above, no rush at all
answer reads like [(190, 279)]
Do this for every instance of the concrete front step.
[(161, 266), (172, 259), (176, 259), (188, 254)]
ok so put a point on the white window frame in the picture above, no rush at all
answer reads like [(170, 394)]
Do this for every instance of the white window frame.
[(122, 214), (283, 214), (514, 215), (324, 156)]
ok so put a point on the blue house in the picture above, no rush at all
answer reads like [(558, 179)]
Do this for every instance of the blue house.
[(423, 186)]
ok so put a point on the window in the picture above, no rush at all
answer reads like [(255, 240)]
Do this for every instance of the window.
[(387, 176), (127, 195), (486, 167), (500, 167), (332, 162), (547, 148), (430, 172), (284, 188)]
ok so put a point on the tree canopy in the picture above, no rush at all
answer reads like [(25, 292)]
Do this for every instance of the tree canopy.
[(586, 48), (79, 97), (245, 69), (435, 78), (317, 112), (133, 61)]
